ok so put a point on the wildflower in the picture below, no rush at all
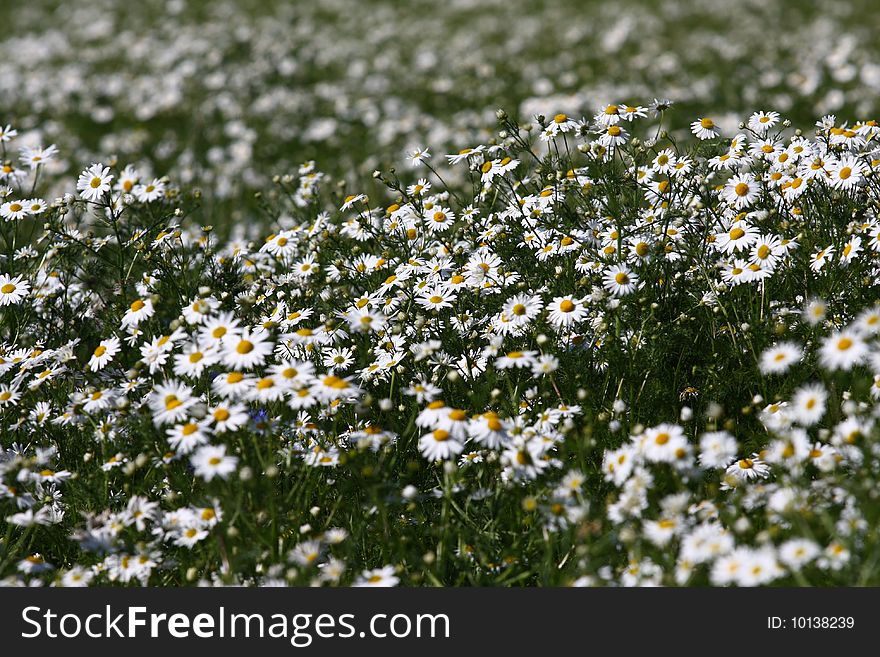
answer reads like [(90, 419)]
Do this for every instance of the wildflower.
[(518, 359), (418, 156), (103, 354), (14, 210), (717, 448), (847, 172), (779, 358), (212, 461), (619, 280), (35, 157), (12, 289), (138, 311), (842, 350), (440, 444), (741, 191), (564, 312), (247, 350), (149, 192), (746, 470), (94, 182), (808, 404), (761, 122), (705, 129), (379, 577)]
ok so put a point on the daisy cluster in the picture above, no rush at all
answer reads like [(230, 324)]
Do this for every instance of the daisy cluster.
[(638, 359), (224, 94)]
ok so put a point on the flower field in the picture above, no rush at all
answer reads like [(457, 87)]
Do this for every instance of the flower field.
[(367, 295)]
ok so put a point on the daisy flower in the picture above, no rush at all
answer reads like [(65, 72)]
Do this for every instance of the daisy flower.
[(850, 250), (664, 443), (613, 136), (193, 361), (664, 162), (12, 290), (746, 470), (464, 154), (7, 133), (222, 327), (212, 461), (14, 210), (815, 311), (436, 298), (104, 353), (488, 429), (780, 357), (128, 178), (818, 259), (418, 156), (522, 308), (9, 395), (741, 191), (808, 404), (563, 312), (149, 192), (717, 449), (868, 321), (138, 311), (741, 236), (619, 280), (608, 115), (35, 205), (330, 388), (517, 359), (170, 402), (737, 272), (705, 129), (842, 350), (545, 364), (378, 577), (440, 445), (94, 182), (184, 438), (847, 172), (34, 157), (245, 351), (798, 552), (761, 122)]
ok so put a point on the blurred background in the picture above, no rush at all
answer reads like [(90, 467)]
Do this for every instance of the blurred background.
[(226, 93)]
